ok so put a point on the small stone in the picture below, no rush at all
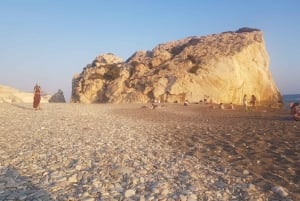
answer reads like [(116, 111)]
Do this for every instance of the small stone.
[(245, 172), (73, 178), (165, 192), (280, 190), (151, 198), (183, 197), (155, 190), (192, 197), (118, 188), (251, 187), (129, 193), (135, 181), (78, 167)]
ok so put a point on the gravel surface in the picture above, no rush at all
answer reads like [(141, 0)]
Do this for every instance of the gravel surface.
[(131, 152)]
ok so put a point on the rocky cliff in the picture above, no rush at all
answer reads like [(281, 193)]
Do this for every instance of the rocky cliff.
[(218, 67)]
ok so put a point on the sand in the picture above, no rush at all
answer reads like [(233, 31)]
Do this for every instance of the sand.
[(132, 152)]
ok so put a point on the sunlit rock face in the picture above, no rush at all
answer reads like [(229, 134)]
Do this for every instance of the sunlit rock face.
[(218, 67)]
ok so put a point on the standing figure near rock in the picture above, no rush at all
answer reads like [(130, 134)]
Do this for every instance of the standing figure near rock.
[(245, 103), (37, 97), (297, 114), (295, 110), (253, 101), (231, 106)]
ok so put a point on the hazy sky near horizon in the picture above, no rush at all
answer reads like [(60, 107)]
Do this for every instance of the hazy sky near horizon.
[(48, 41)]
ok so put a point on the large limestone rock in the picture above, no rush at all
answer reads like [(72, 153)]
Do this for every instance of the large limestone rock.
[(12, 95), (58, 97), (219, 67)]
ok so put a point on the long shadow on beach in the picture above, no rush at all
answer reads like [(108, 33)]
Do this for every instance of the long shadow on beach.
[(264, 143), (20, 106), (14, 186)]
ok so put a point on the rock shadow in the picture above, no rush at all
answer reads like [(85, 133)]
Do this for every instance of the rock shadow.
[(14, 186)]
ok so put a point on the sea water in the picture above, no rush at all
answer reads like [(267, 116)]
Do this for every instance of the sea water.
[(291, 98), (295, 98)]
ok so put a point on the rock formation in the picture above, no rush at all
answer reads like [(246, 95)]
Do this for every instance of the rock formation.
[(58, 97), (218, 67), (12, 95)]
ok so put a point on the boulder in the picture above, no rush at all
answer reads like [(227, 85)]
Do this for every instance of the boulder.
[(220, 68), (58, 97)]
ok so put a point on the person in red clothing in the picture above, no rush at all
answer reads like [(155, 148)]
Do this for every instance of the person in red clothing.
[(37, 97)]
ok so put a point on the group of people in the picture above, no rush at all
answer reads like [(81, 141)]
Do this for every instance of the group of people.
[(294, 107), (252, 103)]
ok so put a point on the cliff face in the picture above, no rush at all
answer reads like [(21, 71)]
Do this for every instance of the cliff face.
[(221, 67)]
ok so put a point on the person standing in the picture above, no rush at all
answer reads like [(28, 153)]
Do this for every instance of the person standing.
[(245, 103), (297, 113), (231, 106), (253, 101), (36, 97), (295, 110)]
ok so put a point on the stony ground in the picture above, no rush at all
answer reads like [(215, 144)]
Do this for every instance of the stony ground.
[(127, 152)]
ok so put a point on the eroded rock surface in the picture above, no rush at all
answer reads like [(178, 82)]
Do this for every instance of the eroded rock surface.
[(218, 67)]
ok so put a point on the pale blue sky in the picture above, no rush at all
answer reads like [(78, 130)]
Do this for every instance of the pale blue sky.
[(48, 41)]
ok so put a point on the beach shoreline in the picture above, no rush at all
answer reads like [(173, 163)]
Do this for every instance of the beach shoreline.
[(133, 152)]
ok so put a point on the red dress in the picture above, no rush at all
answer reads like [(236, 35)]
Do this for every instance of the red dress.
[(37, 97)]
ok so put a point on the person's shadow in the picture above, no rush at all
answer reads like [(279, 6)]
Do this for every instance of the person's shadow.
[(14, 186), (19, 106)]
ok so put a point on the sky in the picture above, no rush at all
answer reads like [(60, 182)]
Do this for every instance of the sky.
[(49, 41)]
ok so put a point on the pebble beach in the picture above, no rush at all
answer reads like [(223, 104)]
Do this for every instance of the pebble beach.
[(111, 152)]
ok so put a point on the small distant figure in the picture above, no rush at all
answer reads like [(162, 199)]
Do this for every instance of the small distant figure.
[(153, 105), (245, 103), (253, 102), (295, 111), (231, 106), (221, 106), (186, 103), (37, 97), (297, 115), (157, 101)]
